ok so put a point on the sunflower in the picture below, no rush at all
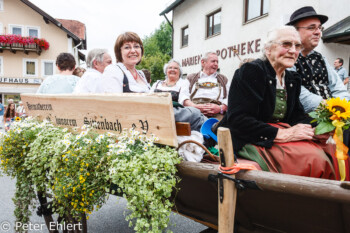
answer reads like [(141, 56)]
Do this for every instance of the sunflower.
[(17, 119), (338, 107)]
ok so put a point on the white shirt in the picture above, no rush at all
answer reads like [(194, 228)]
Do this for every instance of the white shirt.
[(112, 80), (88, 82), (211, 93), (159, 85)]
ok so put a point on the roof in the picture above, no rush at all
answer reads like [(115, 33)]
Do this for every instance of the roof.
[(78, 28), (47, 18), (171, 7), (338, 33)]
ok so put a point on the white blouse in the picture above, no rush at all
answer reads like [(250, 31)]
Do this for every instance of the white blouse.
[(159, 85), (112, 80)]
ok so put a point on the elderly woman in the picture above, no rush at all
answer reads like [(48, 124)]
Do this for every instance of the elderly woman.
[(173, 80), (267, 122), (65, 81)]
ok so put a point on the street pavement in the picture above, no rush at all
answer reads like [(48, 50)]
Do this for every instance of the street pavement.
[(109, 219)]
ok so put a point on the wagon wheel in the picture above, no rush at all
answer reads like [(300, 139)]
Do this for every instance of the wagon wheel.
[(45, 210)]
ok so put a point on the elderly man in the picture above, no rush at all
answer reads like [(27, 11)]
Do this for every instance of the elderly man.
[(206, 90), (319, 80), (97, 60)]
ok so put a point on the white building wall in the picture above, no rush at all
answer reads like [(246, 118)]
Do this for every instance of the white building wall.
[(234, 31)]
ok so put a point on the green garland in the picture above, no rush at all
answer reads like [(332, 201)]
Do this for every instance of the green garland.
[(76, 170)]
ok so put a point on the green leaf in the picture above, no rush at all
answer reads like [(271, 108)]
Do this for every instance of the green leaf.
[(313, 114), (324, 127)]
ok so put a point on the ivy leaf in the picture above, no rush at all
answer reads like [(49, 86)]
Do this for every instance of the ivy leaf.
[(324, 127)]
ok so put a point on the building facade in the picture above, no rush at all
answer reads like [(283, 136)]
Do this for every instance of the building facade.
[(236, 29), (23, 67)]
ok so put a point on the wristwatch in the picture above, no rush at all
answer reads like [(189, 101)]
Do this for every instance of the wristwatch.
[(221, 110)]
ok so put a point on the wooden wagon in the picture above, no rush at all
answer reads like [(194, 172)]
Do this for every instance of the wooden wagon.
[(250, 201)]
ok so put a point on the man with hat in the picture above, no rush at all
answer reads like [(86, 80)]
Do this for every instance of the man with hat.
[(319, 80)]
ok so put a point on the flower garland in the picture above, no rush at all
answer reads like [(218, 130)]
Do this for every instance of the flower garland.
[(17, 39), (76, 170)]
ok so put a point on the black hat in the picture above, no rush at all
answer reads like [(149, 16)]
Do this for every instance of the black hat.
[(306, 12)]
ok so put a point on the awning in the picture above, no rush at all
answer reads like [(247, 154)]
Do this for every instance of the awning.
[(338, 33), (171, 7)]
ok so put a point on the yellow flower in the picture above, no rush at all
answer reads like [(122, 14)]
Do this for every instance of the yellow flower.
[(17, 119), (340, 108)]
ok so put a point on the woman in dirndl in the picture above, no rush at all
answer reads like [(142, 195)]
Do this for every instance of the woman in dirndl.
[(266, 119)]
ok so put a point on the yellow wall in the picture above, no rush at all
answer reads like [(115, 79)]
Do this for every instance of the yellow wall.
[(16, 12)]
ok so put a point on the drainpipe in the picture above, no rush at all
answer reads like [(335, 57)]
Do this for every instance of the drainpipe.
[(76, 54), (172, 35)]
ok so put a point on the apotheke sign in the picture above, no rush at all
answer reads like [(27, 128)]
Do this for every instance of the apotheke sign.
[(244, 48), (21, 80)]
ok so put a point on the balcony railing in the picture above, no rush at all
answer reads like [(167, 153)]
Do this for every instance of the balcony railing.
[(14, 47)]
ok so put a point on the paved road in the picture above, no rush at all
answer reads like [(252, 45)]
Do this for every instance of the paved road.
[(109, 219)]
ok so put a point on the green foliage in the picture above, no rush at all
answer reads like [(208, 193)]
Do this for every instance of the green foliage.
[(146, 175), (76, 168), (155, 63), (157, 51)]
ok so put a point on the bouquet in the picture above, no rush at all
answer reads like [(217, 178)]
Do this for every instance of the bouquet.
[(334, 115)]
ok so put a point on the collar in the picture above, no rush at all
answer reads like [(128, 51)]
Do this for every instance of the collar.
[(278, 83), (204, 75), (339, 68)]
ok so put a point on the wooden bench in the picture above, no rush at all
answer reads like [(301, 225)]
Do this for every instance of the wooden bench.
[(282, 203)]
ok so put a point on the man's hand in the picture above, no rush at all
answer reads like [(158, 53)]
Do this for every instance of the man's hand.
[(210, 109)]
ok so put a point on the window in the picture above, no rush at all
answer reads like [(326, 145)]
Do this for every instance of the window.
[(16, 30), (1, 28), (30, 67), (184, 36), (1, 66), (33, 31), (47, 67), (1, 5), (255, 8), (214, 23)]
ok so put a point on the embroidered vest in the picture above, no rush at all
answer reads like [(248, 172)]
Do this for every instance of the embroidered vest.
[(313, 71)]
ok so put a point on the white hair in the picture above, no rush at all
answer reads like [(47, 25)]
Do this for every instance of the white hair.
[(95, 55), (207, 54), (165, 67), (274, 34)]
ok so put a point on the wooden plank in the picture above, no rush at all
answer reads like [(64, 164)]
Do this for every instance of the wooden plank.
[(183, 129), (227, 206), (152, 113)]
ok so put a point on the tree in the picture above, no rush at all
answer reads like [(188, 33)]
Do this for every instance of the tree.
[(157, 51)]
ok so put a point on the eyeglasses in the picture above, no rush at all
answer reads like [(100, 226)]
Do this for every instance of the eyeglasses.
[(313, 28), (288, 45), (135, 47)]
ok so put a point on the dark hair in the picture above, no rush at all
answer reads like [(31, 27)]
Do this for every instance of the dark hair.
[(147, 74), (10, 113), (123, 38), (65, 61), (341, 60)]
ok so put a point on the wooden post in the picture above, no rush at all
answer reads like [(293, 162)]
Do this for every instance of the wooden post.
[(227, 206)]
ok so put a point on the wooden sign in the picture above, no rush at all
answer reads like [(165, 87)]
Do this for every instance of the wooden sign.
[(151, 113)]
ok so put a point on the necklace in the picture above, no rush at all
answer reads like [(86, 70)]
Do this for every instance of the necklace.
[(169, 85), (135, 76)]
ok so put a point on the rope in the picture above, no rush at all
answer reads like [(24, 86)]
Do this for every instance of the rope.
[(236, 168)]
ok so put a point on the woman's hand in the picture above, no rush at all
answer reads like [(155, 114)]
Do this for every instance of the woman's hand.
[(298, 132)]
